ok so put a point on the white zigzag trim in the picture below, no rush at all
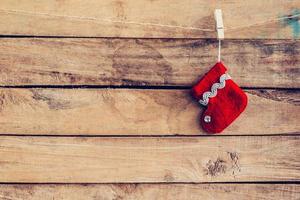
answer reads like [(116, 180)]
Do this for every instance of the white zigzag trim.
[(206, 95)]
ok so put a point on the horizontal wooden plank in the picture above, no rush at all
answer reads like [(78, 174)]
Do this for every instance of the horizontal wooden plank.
[(137, 112), (143, 160), (42, 61), (98, 18), (150, 191)]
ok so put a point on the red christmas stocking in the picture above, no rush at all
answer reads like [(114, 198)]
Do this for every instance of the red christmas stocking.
[(224, 99)]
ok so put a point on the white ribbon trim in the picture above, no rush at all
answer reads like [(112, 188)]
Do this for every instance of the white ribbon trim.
[(209, 94)]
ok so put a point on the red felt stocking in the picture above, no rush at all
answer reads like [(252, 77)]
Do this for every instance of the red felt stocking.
[(224, 100)]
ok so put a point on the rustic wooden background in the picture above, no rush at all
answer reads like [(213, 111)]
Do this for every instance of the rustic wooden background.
[(91, 109)]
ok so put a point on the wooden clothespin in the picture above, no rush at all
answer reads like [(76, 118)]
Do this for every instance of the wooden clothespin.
[(219, 24)]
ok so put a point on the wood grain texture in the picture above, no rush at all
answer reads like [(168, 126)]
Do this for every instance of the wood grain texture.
[(137, 112), (143, 160), (42, 61), (150, 191), (193, 13)]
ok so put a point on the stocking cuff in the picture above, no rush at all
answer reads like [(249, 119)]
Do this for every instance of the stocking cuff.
[(214, 89), (212, 81)]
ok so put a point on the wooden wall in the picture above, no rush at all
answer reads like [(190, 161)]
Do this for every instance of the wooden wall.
[(93, 108)]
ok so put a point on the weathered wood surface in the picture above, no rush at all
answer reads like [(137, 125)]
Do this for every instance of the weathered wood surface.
[(77, 18), (150, 191), (143, 160), (137, 112), (44, 61)]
